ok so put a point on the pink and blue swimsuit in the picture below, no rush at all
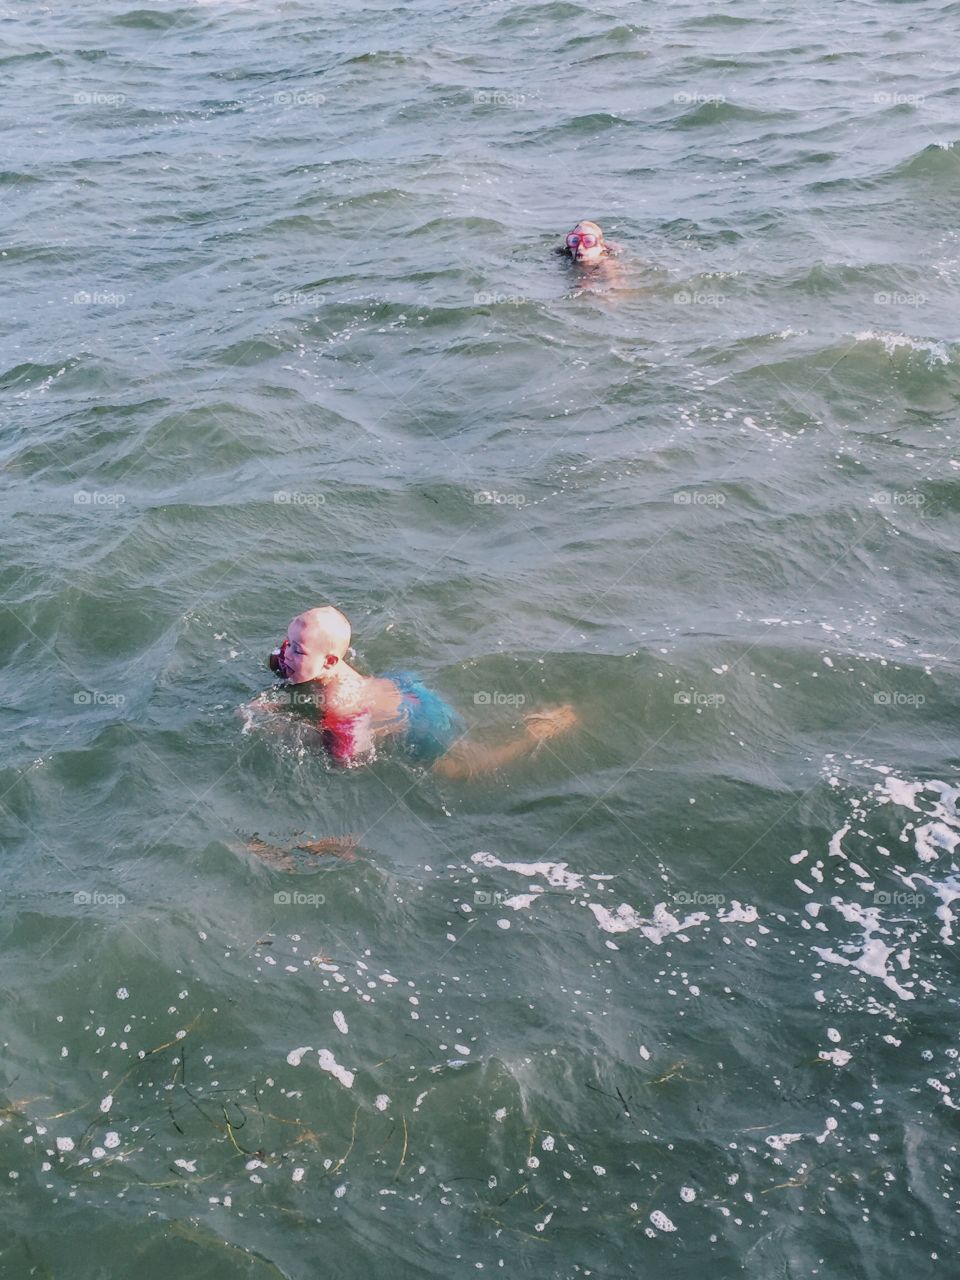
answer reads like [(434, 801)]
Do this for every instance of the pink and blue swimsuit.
[(430, 728)]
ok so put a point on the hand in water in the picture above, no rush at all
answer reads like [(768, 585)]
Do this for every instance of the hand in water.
[(337, 846), (543, 725)]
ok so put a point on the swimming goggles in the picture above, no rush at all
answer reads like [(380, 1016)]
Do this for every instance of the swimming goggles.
[(588, 240)]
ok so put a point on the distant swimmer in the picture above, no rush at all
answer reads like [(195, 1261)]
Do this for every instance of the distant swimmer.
[(593, 256), (357, 711), (586, 245)]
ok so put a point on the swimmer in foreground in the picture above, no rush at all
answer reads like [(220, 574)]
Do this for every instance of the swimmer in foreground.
[(359, 711)]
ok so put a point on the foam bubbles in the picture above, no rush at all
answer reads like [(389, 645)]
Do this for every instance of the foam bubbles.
[(661, 1222)]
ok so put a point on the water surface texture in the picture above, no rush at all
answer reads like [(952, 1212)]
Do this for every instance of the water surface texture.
[(677, 996)]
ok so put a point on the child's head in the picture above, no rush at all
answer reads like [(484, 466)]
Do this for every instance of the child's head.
[(585, 242), (315, 644)]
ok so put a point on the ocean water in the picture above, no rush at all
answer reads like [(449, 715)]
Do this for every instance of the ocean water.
[(284, 326)]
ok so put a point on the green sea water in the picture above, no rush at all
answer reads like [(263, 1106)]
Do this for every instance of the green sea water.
[(284, 326)]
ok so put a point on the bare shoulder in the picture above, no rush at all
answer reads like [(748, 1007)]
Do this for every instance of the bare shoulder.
[(385, 697)]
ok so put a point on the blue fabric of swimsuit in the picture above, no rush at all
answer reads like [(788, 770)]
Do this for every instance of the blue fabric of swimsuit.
[(432, 725)]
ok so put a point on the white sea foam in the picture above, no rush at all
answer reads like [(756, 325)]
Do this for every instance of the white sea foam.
[(623, 918), (738, 914), (839, 1057), (661, 1221), (780, 1141), (829, 1126), (620, 921), (521, 901), (936, 352), (947, 890), (836, 846), (934, 838), (661, 925), (874, 953), (555, 873), (329, 1063), (902, 793), (882, 950)]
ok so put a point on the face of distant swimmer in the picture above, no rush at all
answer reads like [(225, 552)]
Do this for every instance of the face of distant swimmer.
[(585, 242)]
